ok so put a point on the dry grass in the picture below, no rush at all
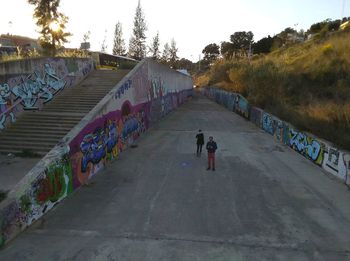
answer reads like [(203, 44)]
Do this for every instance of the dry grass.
[(306, 84)]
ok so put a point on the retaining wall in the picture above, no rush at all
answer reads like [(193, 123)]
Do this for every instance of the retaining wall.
[(28, 84), (147, 94), (322, 153)]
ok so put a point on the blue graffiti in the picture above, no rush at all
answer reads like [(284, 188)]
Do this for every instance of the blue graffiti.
[(131, 125), (268, 123), (96, 145), (122, 89), (35, 86), (307, 146)]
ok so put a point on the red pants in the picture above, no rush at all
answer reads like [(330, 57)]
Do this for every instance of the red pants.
[(211, 160)]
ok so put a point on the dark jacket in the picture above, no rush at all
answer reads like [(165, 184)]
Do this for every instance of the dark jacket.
[(211, 146), (200, 138)]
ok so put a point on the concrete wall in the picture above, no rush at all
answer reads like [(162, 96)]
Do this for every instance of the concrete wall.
[(148, 93), (28, 84), (320, 152)]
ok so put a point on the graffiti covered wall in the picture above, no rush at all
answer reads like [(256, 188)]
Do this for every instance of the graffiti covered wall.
[(29, 91), (148, 93), (321, 153)]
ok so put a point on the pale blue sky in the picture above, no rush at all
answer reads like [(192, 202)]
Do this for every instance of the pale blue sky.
[(192, 23)]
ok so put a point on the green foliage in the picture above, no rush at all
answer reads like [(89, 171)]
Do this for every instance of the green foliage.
[(227, 50), (166, 54), (154, 48), (241, 42), (306, 84), (173, 54), (264, 45), (119, 43), (77, 53), (47, 15), (211, 52), (137, 46)]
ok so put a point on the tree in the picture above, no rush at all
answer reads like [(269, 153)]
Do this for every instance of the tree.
[(119, 43), (52, 24), (263, 45), (241, 42), (104, 43), (227, 50), (173, 54), (185, 64), (85, 45), (154, 49), (137, 46), (211, 52), (166, 54), (86, 37)]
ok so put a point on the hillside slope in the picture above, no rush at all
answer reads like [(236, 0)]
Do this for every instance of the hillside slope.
[(307, 84)]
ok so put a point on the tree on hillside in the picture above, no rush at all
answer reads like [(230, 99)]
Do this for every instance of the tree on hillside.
[(137, 46), (154, 48), (173, 54), (166, 54), (185, 64), (263, 45), (52, 24), (211, 52), (227, 50), (241, 42), (119, 43)]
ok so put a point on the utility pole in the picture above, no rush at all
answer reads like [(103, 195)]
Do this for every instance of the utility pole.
[(342, 13), (199, 63)]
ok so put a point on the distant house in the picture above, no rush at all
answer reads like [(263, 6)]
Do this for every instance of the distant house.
[(25, 43), (183, 71), (295, 38)]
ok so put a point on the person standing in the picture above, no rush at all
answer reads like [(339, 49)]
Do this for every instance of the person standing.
[(200, 142), (211, 148)]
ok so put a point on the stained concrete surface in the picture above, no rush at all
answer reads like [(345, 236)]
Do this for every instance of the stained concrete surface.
[(158, 201), (13, 169)]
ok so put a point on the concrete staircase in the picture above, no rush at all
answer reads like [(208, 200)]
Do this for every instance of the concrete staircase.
[(39, 131)]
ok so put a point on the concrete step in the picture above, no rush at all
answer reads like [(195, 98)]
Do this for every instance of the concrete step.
[(40, 131)]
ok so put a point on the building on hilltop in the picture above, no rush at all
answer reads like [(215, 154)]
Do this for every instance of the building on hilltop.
[(23, 42)]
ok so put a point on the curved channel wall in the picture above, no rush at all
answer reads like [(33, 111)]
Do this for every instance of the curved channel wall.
[(322, 153), (148, 93)]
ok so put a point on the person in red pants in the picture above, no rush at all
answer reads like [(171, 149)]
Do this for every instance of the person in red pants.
[(211, 148)]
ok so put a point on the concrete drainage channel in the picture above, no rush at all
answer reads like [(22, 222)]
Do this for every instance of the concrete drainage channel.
[(323, 153), (144, 96)]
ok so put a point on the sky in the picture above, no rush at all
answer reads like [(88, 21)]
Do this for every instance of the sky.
[(192, 23)]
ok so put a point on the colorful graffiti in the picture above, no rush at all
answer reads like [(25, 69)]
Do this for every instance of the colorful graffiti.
[(331, 159), (335, 163), (97, 143), (267, 123), (53, 185), (307, 146), (242, 106), (30, 92)]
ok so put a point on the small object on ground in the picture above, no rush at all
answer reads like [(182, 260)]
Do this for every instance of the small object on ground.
[(133, 146)]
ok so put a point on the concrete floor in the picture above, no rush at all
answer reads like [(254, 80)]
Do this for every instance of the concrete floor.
[(158, 201), (13, 169)]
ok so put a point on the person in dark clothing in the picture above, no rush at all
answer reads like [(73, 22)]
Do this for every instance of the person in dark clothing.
[(211, 148), (200, 142)]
